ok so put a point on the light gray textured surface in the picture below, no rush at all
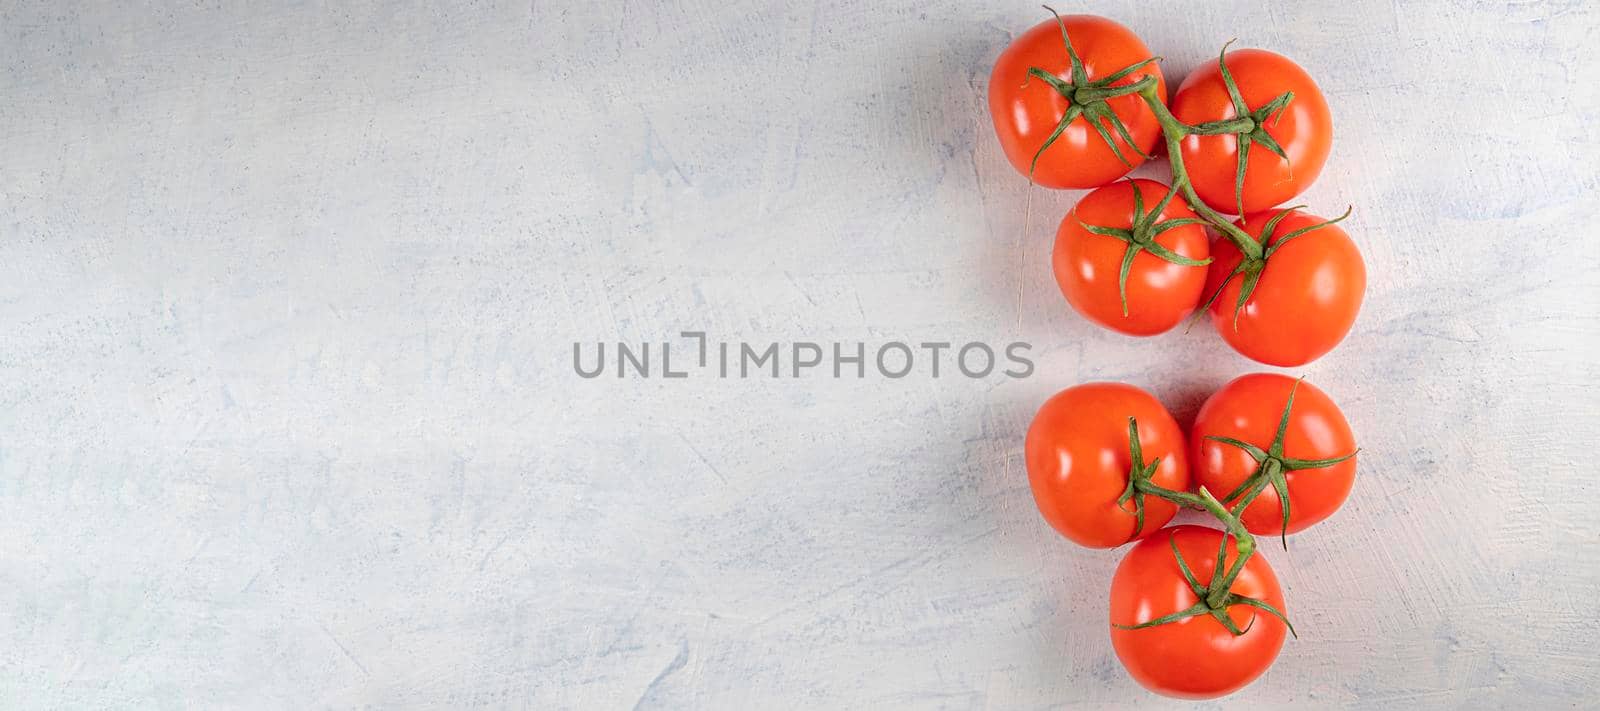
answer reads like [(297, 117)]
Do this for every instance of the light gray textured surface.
[(288, 419)]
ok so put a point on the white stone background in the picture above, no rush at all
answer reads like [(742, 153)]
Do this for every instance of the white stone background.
[(288, 417)]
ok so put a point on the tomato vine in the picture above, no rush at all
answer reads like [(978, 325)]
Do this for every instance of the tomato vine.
[(1216, 596), (1086, 99)]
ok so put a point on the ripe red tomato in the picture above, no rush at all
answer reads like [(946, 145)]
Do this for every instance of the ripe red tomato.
[(1250, 409), (1079, 460), (1303, 129), (1026, 110), (1307, 296), (1090, 267), (1196, 657)]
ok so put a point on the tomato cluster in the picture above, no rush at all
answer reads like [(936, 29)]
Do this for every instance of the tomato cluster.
[(1078, 102), (1194, 612)]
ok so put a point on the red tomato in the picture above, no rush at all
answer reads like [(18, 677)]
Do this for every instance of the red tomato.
[(1250, 409), (1026, 110), (1303, 129), (1079, 459), (1088, 266), (1196, 657), (1306, 299)]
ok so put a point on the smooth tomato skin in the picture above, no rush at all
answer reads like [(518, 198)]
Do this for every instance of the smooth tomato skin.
[(1194, 658), (1025, 110), (1248, 409), (1078, 461), (1306, 300), (1304, 130), (1160, 293)]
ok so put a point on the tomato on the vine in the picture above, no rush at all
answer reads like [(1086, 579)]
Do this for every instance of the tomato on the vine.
[(1195, 657), (1078, 102), (1295, 441), (1301, 298), (1108, 136), (1081, 458), (1301, 130), (1131, 258)]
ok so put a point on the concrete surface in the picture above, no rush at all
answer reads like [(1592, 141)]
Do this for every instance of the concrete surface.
[(288, 419)]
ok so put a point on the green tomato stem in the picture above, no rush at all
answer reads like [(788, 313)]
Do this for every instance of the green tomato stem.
[(1242, 124), (1174, 131), (1245, 543), (1088, 94)]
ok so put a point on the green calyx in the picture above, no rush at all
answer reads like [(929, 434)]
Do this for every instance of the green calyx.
[(1250, 126), (1216, 597), (1138, 473), (1087, 99), (1141, 235), (1271, 465), (1255, 260)]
